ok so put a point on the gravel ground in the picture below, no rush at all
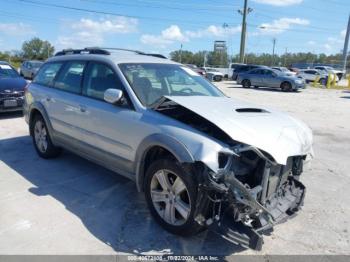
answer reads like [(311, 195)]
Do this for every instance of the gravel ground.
[(71, 206)]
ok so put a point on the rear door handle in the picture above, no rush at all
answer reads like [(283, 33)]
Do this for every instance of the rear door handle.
[(82, 108)]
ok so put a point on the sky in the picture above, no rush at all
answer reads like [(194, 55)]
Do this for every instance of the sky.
[(163, 26)]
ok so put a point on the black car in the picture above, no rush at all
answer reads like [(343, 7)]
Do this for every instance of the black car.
[(243, 69), (11, 88)]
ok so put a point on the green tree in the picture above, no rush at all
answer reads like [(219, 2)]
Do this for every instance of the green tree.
[(37, 49)]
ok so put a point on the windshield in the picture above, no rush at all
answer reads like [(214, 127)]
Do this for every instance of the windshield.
[(6, 71), (150, 82)]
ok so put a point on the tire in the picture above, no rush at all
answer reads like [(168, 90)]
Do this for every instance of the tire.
[(286, 87), (161, 197), (246, 83), (41, 139), (256, 87)]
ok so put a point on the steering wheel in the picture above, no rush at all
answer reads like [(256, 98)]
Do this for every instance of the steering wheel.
[(186, 89)]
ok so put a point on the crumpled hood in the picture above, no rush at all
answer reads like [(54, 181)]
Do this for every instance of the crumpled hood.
[(273, 132)]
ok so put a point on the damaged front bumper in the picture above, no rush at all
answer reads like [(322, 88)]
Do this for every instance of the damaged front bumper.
[(242, 210)]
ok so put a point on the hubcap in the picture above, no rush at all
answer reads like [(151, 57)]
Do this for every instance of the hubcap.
[(170, 197), (40, 136)]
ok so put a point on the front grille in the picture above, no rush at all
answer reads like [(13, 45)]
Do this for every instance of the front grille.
[(11, 95)]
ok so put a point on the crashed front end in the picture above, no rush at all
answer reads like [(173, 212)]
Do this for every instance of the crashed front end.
[(249, 195), (249, 163)]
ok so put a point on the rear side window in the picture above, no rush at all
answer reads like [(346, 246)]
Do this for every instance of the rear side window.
[(47, 74), (99, 78), (70, 77)]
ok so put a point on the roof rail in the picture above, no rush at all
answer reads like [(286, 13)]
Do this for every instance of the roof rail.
[(134, 51), (87, 50)]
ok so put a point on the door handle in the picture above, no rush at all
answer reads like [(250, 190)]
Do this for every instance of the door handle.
[(48, 99), (82, 108)]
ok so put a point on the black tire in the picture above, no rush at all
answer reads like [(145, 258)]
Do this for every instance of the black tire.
[(246, 83), (50, 151), (190, 226), (286, 87), (256, 87)]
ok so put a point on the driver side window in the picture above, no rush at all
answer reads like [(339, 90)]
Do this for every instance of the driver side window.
[(98, 78)]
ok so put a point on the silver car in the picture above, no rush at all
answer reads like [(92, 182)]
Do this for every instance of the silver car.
[(202, 159), (28, 69), (265, 77)]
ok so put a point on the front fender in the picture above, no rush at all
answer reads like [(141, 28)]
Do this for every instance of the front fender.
[(174, 146)]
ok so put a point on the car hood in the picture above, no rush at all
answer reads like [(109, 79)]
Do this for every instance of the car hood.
[(12, 84), (276, 133)]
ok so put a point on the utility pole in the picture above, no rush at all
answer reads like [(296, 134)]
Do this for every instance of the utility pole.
[(244, 13), (181, 54), (273, 51), (346, 45), (285, 57)]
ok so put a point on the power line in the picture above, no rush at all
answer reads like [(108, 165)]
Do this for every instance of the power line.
[(111, 13)]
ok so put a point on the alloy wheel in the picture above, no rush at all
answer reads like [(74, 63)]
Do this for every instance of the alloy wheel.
[(170, 197), (40, 136)]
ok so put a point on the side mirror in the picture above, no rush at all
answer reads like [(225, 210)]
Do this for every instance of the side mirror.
[(113, 96)]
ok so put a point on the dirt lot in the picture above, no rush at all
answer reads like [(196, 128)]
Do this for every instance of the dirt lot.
[(71, 206)]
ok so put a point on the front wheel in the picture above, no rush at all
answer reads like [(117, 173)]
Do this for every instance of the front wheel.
[(171, 197), (286, 87), (246, 83)]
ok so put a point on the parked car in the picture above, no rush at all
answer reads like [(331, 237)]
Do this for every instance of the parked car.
[(213, 74), (310, 75), (328, 69), (244, 68), (196, 69), (284, 70), (28, 69), (202, 159), (270, 78), (11, 88)]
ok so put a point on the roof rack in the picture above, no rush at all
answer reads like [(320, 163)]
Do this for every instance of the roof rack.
[(87, 50), (134, 51), (103, 51)]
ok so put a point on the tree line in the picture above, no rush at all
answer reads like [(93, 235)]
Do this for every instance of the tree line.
[(221, 59), (33, 49)]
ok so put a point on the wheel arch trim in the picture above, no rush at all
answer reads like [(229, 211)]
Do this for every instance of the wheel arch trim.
[(169, 143)]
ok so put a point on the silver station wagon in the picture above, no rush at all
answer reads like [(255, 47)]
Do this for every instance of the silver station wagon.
[(202, 159)]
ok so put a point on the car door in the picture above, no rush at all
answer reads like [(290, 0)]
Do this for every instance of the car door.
[(111, 131), (271, 78), (63, 100), (256, 77)]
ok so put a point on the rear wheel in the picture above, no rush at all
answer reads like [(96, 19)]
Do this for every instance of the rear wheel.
[(42, 140), (171, 197), (286, 87), (246, 83)]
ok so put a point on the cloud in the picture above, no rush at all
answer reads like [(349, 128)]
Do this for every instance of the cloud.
[(174, 34), (279, 2), (343, 33), (311, 42), (120, 25), (166, 37), (213, 31), (16, 29), (89, 32), (280, 25)]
